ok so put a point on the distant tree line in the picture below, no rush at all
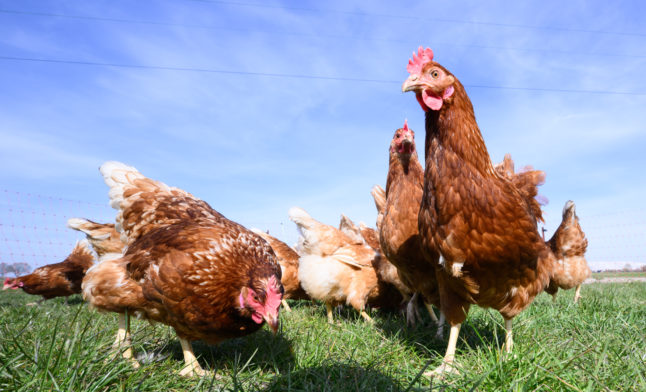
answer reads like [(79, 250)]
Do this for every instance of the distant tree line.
[(16, 269)]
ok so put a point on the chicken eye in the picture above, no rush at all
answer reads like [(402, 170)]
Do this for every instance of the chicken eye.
[(435, 74)]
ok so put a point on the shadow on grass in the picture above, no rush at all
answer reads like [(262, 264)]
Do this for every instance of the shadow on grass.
[(260, 350), (482, 330), (334, 377)]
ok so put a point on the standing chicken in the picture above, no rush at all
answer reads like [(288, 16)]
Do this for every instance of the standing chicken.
[(288, 260), (569, 245), (483, 227), (399, 234), (56, 280), (186, 265), (337, 270)]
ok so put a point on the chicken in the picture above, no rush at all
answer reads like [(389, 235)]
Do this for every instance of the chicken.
[(56, 280), (482, 225), (399, 234), (288, 260), (186, 265), (335, 269), (569, 245)]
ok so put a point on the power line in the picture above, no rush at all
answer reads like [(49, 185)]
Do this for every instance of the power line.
[(293, 33), (421, 18), (298, 76)]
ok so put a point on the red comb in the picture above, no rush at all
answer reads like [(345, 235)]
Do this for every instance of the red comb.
[(422, 57), (274, 296), (405, 125)]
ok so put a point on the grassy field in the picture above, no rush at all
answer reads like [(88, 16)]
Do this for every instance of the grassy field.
[(598, 345), (618, 274)]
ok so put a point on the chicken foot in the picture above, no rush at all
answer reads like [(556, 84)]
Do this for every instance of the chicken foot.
[(366, 316), (192, 367), (37, 303), (447, 363)]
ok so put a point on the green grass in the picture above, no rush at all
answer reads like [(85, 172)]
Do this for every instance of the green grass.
[(619, 274), (599, 344)]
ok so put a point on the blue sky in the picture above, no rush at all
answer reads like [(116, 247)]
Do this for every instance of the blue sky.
[(254, 145)]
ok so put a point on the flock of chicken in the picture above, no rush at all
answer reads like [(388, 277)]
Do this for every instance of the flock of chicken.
[(458, 232)]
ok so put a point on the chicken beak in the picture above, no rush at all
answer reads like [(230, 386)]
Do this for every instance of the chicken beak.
[(273, 322), (411, 84), (415, 83)]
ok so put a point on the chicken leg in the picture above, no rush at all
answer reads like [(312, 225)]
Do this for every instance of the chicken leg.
[(577, 293), (286, 306), (192, 367), (366, 316), (509, 340), (431, 313), (330, 318), (447, 363), (440, 326), (123, 339)]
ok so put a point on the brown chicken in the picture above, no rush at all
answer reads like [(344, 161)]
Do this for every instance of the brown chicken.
[(337, 270), (56, 280), (480, 222), (288, 260), (399, 234), (186, 265), (569, 245)]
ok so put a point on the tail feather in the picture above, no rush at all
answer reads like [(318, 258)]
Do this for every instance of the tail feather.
[(318, 238), (301, 218), (145, 204), (348, 228), (527, 182), (119, 177), (379, 195), (89, 228)]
